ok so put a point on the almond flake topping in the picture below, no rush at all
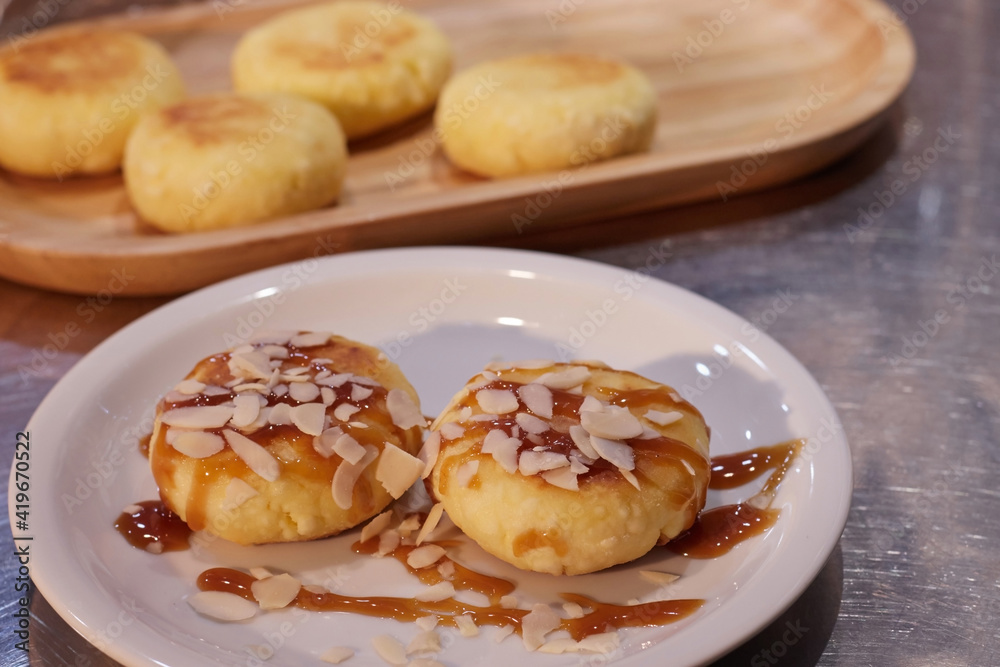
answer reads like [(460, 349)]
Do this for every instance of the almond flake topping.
[(537, 398), (222, 606), (324, 442), (345, 411), (503, 632), (404, 412), (508, 602), (663, 418), (661, 578), (433, 519), (309, 417), (376, 525), (573, 610), (537, 623), (452, 430), (201, 416), (189, 387), (347, 448), (436, 593), (564, 478), (389, 649), (532, 462), (365, 380), (360, 392), (497, 401), (303, 392), (629, 477), (429, 453), (237, 493), (466, 471), (425, 556), (275, 592), (246, 411), (256, 457), (259, 572), (214, 390), (397, 470), (272, 337), (582, 440), (346, 476), (617, 453), (466, 626), (427, 622), (613, 423), (566, 378), (280, 390), (335, 380), (275, 351), (427, 641), (280, 414), (198, 444), (310, 339), (327, 395), (531, 423), (337, 655), (251, 365)]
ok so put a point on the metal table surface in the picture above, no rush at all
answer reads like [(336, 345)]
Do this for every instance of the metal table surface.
[(896, 314)]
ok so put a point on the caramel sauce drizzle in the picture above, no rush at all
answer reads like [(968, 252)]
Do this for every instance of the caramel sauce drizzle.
[(153, 524), (716, 531)]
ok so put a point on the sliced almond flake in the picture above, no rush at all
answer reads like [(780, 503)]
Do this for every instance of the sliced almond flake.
[(412, 523), (357, 424), (532, 462), (577, 465), (663, 418), (360, 392), (404, 412), (564, 379), (237, 493), (617, 453), (345, 411), (573, 610), (502, 633), (649, 433), (310, 339), (247, 387), (335, 380), (246, 411), (294, 379), (425, 662), (280, 414), (132, 509), (201, 416), (250, 365), (389, 649), (189, 387), (260, 572), (497, 401), (447, 570), (532, 364), (309, 417), (531, 423), (506, 455), (452, 430), (466, 626), (303, 392), (275, 351), (534, 439), (660, 578), (631, 478), (465, 414), (272, 338), (154, 547), (499, 366), (424, 556), (426, 623), (325, 373), (494, 438), (465, 472), (328, 396), (508, 602), (222, 606), (613, 423), (427, 641), (397, 470), (275, 377), (537, 623), (214, 390), (688, 467), (365, 380), (313, 588), (198, 444), (515, 431), (429, 453), (537, 398), (298, 370), (376, 525), (172, 434), (387, 542), (256, 457), (337, 655), (567, 645), (275, 592), (280, 390), (485, 417), (592, 404), (564, 478), (433, 518), (439, 591), (242, 349), (321, 360), (347, 474), (234, 382), (604, 642), (582, 440), (347, 448)]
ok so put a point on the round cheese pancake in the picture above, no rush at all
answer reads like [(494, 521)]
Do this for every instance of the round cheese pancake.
[(226, 160), (568, 468), (371, 64), (544, 112), (290, 437), (70, 99)]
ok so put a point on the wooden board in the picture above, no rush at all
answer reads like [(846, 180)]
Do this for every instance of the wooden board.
[(751, 93)]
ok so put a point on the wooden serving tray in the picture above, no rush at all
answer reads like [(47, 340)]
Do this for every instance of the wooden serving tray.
[(752, 93)]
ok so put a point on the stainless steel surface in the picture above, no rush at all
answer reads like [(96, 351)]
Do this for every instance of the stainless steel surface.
[(897, 315)]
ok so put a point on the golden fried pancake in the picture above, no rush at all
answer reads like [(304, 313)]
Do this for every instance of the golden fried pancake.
[(544, 112), (372, 64), (227, 159), (70, 99), (290, 437), (568, 468)]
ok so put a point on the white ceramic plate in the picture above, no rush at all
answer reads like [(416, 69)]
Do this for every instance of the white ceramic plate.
[(441, 314)]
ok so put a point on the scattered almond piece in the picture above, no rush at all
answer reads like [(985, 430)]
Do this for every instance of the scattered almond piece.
[(613, 423), (280, 414), (347, 448), (256, 457), (466, 472), (310, 339), (436, 593), (429, 453), (402, 409), (376, 525), (537, 398), (466, 626), (663, 418), (497, 401), (222, 606), (345, 411), (260, 572), (566, 378), (531, 462), (630, 478), (303, 392), (427, 622), (452, 430), (237, 493), (310, 418), (389, 649), (564, 478), (503, 632), (397, 470), (433, 518), (537, 623), (531, 423), (198, 417), (508, 602), (615, 452), (189, 387), (246, 411), (427, 641), (275, 592), (360, 392), (198, 444), (660, 578), (573, 610), (346, 476), (337, 655), (424, 556)]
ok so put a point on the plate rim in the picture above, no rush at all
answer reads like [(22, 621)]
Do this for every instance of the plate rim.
[(477, 260)]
